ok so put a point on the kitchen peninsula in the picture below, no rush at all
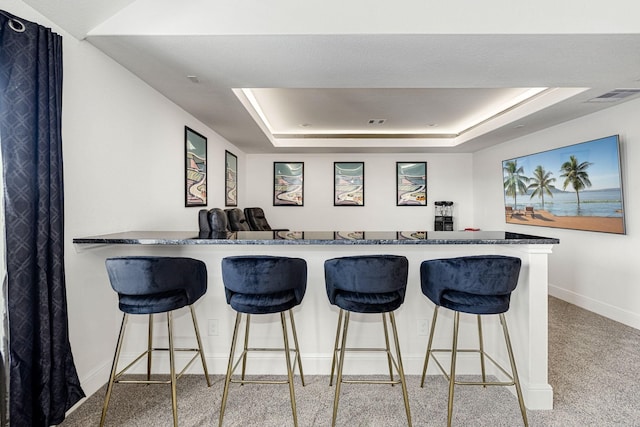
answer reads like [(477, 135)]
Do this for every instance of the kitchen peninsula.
[(316, 317)]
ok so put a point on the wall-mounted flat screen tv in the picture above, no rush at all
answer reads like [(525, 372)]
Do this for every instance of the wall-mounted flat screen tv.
[(576, 187)]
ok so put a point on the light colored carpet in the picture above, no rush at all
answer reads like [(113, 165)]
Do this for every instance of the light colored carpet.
[(593, 368)]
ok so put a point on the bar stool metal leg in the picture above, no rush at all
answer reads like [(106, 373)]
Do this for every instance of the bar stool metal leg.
[(343, 344), (227, 379), (386, 342), (297, 350), (114, 368), (452, 372), (202, 358), (172, 370), (233, 364), (336, 347), (246, 346), (149, 347), (481, 348), (289, 370), (429, 344), (403, 381), (514, 370)]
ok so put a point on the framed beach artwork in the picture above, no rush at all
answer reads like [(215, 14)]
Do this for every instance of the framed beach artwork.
[(348, 183), (411, 183), (577, 187), (195, 147), (288, 183), (231, 179)]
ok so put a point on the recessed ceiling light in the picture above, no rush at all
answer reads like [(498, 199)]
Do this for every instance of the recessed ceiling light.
[(194, 79), (305, 125), (518, 126), (432, 125)]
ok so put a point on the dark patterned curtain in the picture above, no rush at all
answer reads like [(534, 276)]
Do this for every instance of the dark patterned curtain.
[(43, 383)]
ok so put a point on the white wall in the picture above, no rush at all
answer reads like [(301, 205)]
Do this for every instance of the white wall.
[(448, 178), (124, 150), (597, 271), (123, 147)]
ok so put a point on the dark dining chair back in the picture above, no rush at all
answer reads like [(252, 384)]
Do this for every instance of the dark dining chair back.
[(237, 220), (256, 219), (218, 221)]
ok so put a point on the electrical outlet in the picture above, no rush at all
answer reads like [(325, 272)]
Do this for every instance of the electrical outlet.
[(213, 327), (423, 327)]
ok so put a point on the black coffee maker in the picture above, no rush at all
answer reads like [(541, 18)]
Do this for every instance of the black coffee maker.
[(444, 216)]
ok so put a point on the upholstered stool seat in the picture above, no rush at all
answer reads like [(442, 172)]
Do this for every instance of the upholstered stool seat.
[(480, 285), (367, 284), (150, 285), (260, 304), (263, 285), (359, 302)]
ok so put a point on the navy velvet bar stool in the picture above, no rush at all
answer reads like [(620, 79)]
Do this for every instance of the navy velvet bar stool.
[(479, 285), (150, 285), (367, 284), (263, 285)]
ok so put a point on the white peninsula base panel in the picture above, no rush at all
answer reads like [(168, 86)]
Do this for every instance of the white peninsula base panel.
[(316, 319)]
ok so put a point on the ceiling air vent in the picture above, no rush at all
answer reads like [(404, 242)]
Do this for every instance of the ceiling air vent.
[(615, 95)]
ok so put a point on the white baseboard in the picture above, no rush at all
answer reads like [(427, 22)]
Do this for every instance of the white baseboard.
[(92, 383), (612, 312)]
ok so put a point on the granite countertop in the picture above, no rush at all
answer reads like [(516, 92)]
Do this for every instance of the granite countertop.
[(316, 238)]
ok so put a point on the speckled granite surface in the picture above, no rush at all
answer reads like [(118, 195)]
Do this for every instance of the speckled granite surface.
[(317, 238)]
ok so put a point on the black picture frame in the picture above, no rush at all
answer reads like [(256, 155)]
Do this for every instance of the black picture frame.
[(348, 184), (411, 183), (230, 179), (195, 172), (288, 183)]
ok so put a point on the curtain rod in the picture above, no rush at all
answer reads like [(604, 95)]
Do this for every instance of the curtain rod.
[(15, 24)]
